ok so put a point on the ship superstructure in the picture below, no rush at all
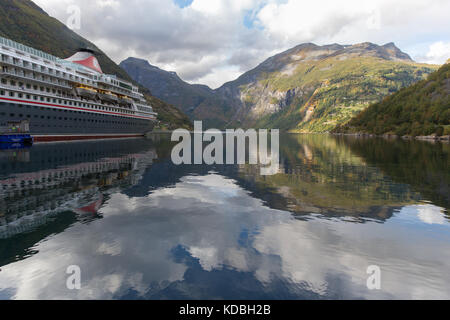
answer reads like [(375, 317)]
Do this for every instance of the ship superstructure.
[(68, 98)]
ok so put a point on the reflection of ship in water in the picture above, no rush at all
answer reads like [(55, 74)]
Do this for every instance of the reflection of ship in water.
[(38, 184)]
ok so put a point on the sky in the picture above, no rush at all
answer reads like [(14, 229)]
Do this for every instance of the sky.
[(214, 41)]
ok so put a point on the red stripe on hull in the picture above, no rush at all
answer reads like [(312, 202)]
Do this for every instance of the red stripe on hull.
[(86, 137)]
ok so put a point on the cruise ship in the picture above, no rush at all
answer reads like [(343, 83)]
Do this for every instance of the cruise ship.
[(67, 99)]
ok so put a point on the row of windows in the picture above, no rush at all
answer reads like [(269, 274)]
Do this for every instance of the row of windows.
[(72, 119), (44, 69), (90, 80), (34, 76), (22, 86), (12, 94), (54, 91)]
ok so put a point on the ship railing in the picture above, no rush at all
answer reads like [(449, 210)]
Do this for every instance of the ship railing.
[(34, 78), (68, 64), (18, 46), (38, 69), (62, 74), (67, 76), (116, 89), (100, 106), (32, 91)]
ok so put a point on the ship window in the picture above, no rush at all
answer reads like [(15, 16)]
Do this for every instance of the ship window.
[(20, 95), (13, 83), (42, 98), (35, 97), (11, 94), (28, 86), (28, 96), (48, 99), (4, 81)]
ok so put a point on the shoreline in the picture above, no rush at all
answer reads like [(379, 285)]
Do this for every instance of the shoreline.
[(432, 138)]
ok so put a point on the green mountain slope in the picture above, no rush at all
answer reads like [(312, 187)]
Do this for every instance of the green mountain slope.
[(23, 21), (421, 109), (313, 88)]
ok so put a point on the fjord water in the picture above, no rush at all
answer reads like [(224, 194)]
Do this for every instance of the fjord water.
[(140, 227)]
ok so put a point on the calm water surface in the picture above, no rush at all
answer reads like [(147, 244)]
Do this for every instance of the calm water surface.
[(140, 227)]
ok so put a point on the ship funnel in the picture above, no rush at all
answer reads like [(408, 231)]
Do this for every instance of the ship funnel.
[(86, 58)]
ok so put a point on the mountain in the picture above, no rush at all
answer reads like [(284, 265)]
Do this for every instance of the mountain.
[(419, 110), (25, 22), (308, 88), (199, 102), (312, 88)]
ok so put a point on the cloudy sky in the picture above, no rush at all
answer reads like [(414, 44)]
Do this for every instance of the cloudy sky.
[(214, 41)]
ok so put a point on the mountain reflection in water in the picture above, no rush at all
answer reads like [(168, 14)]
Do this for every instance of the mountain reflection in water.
[(140, 227)]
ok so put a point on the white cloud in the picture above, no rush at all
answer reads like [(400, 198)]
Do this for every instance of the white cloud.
[(209, 42), (438, 53), (217, 76), (431, 214)]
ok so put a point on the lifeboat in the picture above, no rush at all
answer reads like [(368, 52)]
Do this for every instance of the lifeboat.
[(86, 92), (125, 100), (108, 96)]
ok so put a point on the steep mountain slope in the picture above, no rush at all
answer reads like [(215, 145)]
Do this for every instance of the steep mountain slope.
[(421, 109), (308, 88), (197, 101), (25, 22), (313, 88)]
